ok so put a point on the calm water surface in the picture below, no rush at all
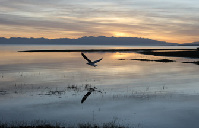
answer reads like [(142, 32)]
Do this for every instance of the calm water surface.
[(50, 86)]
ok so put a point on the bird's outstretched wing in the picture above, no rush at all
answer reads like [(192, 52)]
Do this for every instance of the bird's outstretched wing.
[(85, 97), (97, 60), (86, 57)]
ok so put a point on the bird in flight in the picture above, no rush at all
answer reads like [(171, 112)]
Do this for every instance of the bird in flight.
[(91, 63)]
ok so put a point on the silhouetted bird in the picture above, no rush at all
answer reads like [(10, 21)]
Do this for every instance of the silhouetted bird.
[(89, 61)]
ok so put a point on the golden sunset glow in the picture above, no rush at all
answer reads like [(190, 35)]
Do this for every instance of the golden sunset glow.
[(122, 55), (118, 34)]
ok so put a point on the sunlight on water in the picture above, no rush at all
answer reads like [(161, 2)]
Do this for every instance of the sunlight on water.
[(50, 86)]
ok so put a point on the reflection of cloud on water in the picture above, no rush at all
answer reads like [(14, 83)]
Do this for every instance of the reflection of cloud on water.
[(119, 70), (31, 58), (53, 88), (139, 107)]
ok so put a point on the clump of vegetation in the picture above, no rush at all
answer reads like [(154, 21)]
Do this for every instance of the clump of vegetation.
[(105, 125), (74, 88), (3, 92), (34, 124), (39, 126)]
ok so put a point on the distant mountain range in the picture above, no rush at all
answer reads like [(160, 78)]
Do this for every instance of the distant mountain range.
[(190, 44), (100, 40)]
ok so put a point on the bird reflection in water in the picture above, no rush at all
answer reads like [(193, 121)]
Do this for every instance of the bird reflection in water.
[(90, 90), (91, 63)]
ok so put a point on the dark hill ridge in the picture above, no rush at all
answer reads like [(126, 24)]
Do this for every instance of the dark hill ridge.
[(100, 40), (190, 44)]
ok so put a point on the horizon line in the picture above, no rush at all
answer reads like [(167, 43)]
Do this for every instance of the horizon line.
[(85, 36), (93, 37)]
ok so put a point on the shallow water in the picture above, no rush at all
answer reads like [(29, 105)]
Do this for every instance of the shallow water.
[(50, 86)]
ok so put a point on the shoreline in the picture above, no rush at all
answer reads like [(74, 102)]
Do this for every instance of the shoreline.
[(191, 53)]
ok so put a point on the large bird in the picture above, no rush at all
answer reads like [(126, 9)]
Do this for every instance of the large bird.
[(91, 63)]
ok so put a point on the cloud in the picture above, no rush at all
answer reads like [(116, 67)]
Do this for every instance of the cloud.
[(165, 19)]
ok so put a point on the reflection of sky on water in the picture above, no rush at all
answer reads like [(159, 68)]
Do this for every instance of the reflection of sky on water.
[(28, 77)]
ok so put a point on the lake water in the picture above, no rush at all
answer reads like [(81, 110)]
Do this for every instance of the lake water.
[(50, 86)]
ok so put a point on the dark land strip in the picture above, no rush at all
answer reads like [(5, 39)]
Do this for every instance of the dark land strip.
[(195, 62), (105, 50), (185, 53), (88, 50), (148, 60), (191, 53)]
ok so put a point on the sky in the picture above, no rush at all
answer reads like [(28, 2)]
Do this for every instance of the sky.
[(175, 21)]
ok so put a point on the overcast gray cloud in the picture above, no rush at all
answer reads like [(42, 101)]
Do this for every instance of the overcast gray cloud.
[(173, 21)]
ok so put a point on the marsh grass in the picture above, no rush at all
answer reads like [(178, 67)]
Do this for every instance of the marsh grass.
[(33, 124), (44, 124), (105, 125), (45, 90), (3, 92)]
